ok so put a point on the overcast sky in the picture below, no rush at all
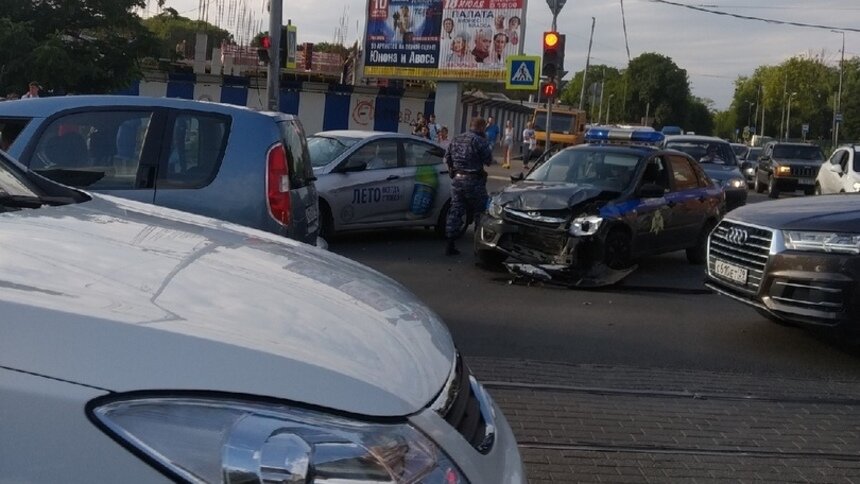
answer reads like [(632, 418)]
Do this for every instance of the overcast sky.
[(714, 49)]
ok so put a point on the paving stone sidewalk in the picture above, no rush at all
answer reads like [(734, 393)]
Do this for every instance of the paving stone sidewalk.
[(592, 423)]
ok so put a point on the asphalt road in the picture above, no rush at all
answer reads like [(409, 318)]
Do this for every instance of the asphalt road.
[(640, 382)]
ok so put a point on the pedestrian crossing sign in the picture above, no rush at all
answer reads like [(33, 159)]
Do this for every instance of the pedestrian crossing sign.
[(523, 72)]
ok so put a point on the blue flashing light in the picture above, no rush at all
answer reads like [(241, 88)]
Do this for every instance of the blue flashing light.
[(616, 135)]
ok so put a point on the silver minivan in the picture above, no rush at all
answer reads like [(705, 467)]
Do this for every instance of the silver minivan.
[(218, 160)]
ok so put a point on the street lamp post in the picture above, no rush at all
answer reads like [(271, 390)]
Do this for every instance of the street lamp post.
[(750, 104), (838, 103), (788, 116)]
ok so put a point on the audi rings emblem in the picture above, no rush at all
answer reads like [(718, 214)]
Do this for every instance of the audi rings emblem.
[(737, 236)]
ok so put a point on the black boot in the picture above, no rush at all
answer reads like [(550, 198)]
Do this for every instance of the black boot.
[(450, 249)]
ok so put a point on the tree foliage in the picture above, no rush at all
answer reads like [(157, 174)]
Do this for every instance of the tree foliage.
[(84, 46), (177, 34)]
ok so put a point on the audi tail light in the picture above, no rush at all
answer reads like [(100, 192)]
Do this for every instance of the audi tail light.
[(278, 183)]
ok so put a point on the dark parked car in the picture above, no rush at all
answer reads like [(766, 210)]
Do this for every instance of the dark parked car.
[(788, 167), (585, 214), (796, 261), (749, 164), (719, 162), (218, 160)]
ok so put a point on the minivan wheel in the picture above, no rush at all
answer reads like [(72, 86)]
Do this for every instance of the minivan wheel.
[(772, 191), (326, 221)]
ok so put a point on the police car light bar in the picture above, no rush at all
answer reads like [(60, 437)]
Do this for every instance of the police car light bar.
[(609, 135)]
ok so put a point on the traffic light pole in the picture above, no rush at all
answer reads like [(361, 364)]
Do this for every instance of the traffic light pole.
[(549, 99), (274, 69)]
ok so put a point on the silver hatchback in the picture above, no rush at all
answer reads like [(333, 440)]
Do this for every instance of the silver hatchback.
[(370, 179), (218, 160)]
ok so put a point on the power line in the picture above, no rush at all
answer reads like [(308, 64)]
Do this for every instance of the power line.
[(760, 19)]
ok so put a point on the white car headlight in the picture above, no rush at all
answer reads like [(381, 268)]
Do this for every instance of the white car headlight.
[(584, 226), (736, 183), (750, 171), (231, 441), (495, 209), (831, 242), (857, 186)]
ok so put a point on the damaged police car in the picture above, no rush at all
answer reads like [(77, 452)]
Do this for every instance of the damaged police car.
[(583, 217)]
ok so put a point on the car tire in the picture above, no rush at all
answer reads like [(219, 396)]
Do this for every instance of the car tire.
[(698, 254), (772, 191), (326, 221), (442, 220), (758, 186), (817, 189), (811, 191), (490, 259), (616, 249)]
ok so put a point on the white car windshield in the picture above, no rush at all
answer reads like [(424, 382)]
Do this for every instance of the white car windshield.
[(602, 169), (324, 149)]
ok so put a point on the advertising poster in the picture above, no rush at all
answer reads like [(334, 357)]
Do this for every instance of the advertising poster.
[(442, 39)]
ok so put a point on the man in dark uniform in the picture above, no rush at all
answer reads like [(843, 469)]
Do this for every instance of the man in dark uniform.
[(466, 157)]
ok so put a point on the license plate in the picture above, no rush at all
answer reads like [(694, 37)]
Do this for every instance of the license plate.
[(807, 181), (730, 271)]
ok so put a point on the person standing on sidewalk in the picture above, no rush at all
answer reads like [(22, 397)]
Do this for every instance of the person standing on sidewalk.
[(466, 157), (492, 132), (508, 143), (530, 142)]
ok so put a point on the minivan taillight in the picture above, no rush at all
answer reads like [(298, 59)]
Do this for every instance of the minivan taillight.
[(278, 184)]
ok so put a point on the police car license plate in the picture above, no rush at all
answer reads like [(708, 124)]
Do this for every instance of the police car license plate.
[(730, 271)]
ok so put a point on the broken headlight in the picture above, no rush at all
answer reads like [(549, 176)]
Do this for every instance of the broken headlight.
[(202, 439), (495, 208), (586, 225)]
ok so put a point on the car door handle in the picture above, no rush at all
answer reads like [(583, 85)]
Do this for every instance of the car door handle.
[(444, 172), (392, 177)]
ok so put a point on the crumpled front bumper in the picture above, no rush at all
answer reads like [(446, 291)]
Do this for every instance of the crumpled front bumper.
[(548, 254)]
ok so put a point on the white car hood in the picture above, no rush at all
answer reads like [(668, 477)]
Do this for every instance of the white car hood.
[(127, 296)]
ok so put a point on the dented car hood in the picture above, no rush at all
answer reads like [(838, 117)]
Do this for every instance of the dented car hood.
[(530, 195)]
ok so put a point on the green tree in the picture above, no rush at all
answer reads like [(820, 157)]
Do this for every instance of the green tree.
[(850, 128), (698, 117), (601, 78), (655, 84), (177, 34), (85, 46), (724, 124)]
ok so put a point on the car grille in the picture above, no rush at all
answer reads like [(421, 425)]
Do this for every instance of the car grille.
[(550, 242), (751, 252), (549, 219), (461, 408), (804, 171)]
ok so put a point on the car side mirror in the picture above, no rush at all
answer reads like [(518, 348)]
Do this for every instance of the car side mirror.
[(651, 190), (518, 178), (835, 168), (351, 168)]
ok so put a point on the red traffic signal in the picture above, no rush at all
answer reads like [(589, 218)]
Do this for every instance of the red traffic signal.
[(263, 50), (548, 89)]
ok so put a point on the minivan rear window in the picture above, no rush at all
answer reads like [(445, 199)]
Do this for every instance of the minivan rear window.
[(9, 131), (297, 153)]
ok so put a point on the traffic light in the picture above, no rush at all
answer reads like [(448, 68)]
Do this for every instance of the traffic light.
[(551, 42), (548, 89), (263, 49)]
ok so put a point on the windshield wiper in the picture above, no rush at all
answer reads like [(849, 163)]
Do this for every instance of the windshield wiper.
[(32, 201)]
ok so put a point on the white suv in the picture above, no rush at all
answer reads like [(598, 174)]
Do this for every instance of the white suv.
[(841, 173)]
